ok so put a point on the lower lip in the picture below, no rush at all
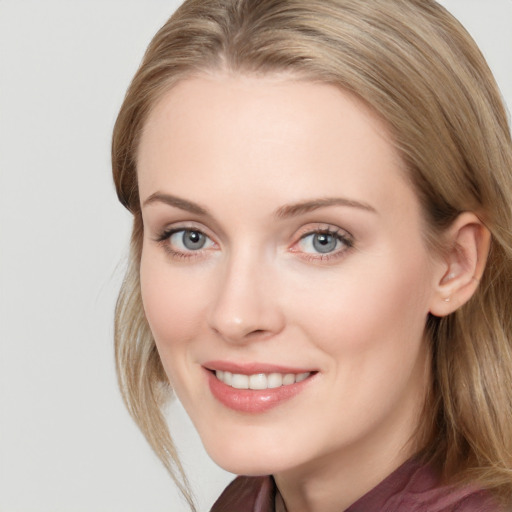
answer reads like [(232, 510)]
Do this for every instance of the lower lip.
[(253, 400)]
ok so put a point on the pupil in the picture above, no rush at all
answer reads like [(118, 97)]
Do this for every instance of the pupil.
[(323, 242), (193, 240)]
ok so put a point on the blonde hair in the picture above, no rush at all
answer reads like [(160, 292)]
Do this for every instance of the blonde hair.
[(417, 67)]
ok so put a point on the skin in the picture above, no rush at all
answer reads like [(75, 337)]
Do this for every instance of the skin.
[(243, 148)]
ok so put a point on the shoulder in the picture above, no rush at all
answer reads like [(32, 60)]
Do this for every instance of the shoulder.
[(423, 495), (247, 494), (416, 488), (412, 488), (480, 501), (445, 499)]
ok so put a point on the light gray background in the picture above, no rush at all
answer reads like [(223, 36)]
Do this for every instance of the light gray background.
[(66, 442)]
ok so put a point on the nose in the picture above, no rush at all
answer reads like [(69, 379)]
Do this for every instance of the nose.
[(246, 305)]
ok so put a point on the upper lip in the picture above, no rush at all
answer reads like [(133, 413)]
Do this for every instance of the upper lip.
[(253, 368)]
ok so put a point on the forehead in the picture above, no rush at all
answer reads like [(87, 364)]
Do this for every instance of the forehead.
[(265, 135)]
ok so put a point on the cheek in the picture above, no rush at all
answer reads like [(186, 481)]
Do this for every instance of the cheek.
[(371, 326), (172, 306), (375, 303)]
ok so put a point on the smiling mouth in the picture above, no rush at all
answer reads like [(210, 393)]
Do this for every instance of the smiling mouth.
[(260, 381)]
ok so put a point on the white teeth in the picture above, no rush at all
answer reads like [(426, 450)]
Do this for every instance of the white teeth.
[(288, 379), (240, 381), (275, 380), (260, 380), (301, 377)]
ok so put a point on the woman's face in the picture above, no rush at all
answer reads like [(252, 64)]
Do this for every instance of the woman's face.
[(283, 250)]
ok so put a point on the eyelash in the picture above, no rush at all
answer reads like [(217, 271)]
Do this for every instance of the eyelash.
[(164, 240), (340, 235)]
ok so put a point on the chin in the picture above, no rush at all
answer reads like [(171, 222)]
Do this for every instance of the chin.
[(238, 466), (248, 458)]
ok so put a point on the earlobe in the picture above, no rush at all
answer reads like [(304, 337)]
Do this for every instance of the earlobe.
[(463, 264)]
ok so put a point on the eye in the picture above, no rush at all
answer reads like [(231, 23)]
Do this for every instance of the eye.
[(319, 242), (185, 240), (324, 243), (182, 242)]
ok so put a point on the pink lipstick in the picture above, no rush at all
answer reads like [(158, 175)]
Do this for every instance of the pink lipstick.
[(255, 388)]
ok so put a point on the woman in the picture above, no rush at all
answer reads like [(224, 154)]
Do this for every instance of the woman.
[(321, 254)]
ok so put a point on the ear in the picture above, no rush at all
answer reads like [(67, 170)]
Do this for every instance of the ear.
[(463, 264)]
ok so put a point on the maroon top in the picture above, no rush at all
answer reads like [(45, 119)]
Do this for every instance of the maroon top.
[(411, 488)]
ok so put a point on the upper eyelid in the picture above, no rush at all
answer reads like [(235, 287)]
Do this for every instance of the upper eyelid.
[(169, 230), (209, 227), (324, 228), (338, 234)]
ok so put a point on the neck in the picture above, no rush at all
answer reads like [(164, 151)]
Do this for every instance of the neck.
[(338, 479), (333, 487)]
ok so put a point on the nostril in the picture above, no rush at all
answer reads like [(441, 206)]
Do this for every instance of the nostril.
[(256, 332)]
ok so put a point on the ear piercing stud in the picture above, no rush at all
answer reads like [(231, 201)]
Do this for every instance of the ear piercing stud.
[(447, 299)]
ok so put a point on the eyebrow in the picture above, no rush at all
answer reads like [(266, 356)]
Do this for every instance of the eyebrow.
[(293, 210), (282, 212), (175, 201)]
